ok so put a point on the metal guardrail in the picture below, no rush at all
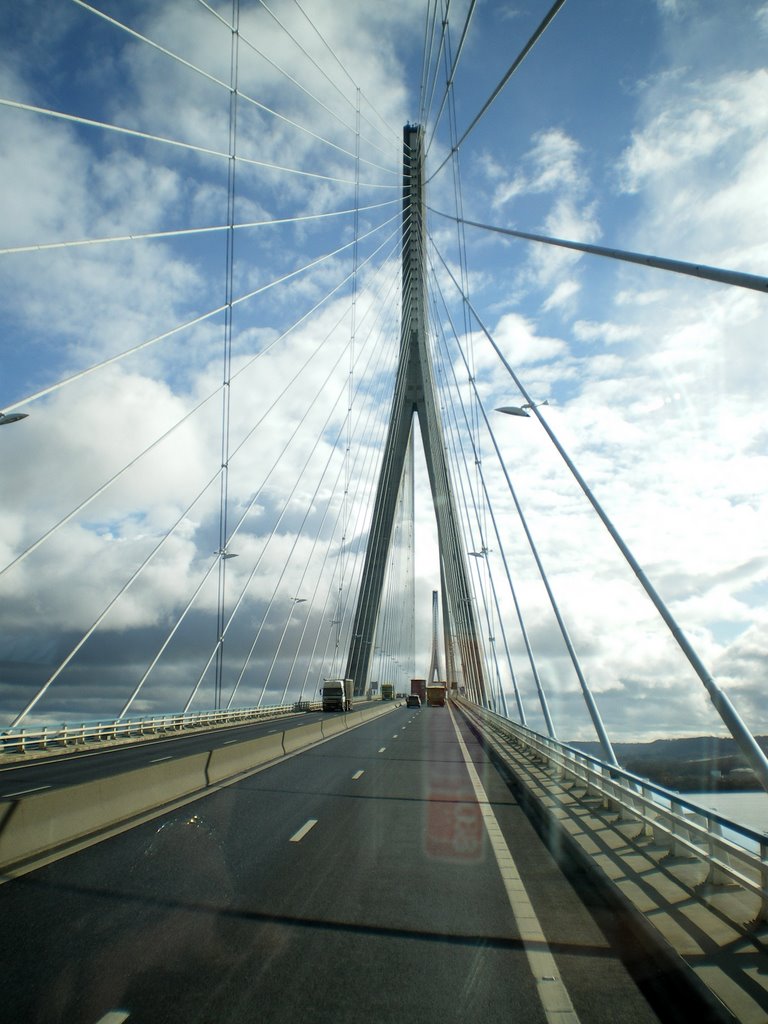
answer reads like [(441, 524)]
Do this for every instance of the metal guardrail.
[(671, 820), (22, 740)]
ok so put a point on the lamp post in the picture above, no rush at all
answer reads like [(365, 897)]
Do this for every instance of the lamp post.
[(589, 700), (294, 602)]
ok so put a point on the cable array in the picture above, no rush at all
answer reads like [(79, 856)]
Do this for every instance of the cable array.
[(350, 294)]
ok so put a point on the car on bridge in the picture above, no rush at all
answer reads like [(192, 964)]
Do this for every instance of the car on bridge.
[(413, 700)]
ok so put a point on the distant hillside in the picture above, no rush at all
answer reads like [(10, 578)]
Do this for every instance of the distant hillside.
[(697, 763)]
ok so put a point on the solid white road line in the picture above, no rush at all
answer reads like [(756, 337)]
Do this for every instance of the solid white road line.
[(159, 759), (23, 792), (554, 997), (114, 1017), (357, 775), (303, 830)]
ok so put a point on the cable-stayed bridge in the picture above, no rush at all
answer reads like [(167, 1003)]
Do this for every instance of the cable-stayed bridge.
[(237, 284)]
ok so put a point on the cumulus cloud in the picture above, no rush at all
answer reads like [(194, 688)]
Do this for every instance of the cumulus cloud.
[(608, 333), (551, 164), (519, 340), (562, 295), (707, 118)]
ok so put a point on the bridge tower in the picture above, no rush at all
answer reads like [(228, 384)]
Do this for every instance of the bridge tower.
[(415, 395)]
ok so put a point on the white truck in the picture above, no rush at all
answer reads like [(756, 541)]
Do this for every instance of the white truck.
[(337, 694)]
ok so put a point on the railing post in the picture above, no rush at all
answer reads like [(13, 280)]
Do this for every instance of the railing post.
[(647, 825), (715, 876), (622, 799), (679, 828), (558, 767), (607, 786), (676, 812)]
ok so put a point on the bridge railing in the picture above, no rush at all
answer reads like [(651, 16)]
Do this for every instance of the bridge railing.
[(22, 740), (734, 853)]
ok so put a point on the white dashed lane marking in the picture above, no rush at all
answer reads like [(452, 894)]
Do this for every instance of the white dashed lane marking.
[(303, 830)]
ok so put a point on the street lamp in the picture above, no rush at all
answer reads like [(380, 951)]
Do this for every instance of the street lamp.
[(521, 410), (12, 417)]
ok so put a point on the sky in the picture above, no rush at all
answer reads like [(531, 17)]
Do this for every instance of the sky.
[(639, 126)]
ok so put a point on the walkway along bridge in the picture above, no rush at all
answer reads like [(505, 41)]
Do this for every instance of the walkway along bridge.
[(261, 859)]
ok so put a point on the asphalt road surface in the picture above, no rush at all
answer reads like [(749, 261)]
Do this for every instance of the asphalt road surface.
[(374, 878), (70, 768)]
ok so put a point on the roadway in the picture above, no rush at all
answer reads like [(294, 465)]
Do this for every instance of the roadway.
[(370, 878), (68, 768)]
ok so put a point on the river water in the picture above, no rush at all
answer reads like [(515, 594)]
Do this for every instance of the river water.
[(748, 809)]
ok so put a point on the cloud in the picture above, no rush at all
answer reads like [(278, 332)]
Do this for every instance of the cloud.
[(608, 333), (562, 295), (518, 339), (707, 118), (551, 164)]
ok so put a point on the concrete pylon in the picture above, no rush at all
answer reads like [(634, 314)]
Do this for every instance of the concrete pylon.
[(415, 394)]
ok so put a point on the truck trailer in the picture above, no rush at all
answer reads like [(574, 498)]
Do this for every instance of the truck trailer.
[(337, 694), (436, 695), (419, 687)]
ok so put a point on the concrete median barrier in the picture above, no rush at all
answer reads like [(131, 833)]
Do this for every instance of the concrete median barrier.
[(376, 712), (333, 726), (41, 822), (303, 736), (240, 757)]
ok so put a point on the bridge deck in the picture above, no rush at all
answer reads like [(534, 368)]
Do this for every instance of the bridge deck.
[(391, 906)]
